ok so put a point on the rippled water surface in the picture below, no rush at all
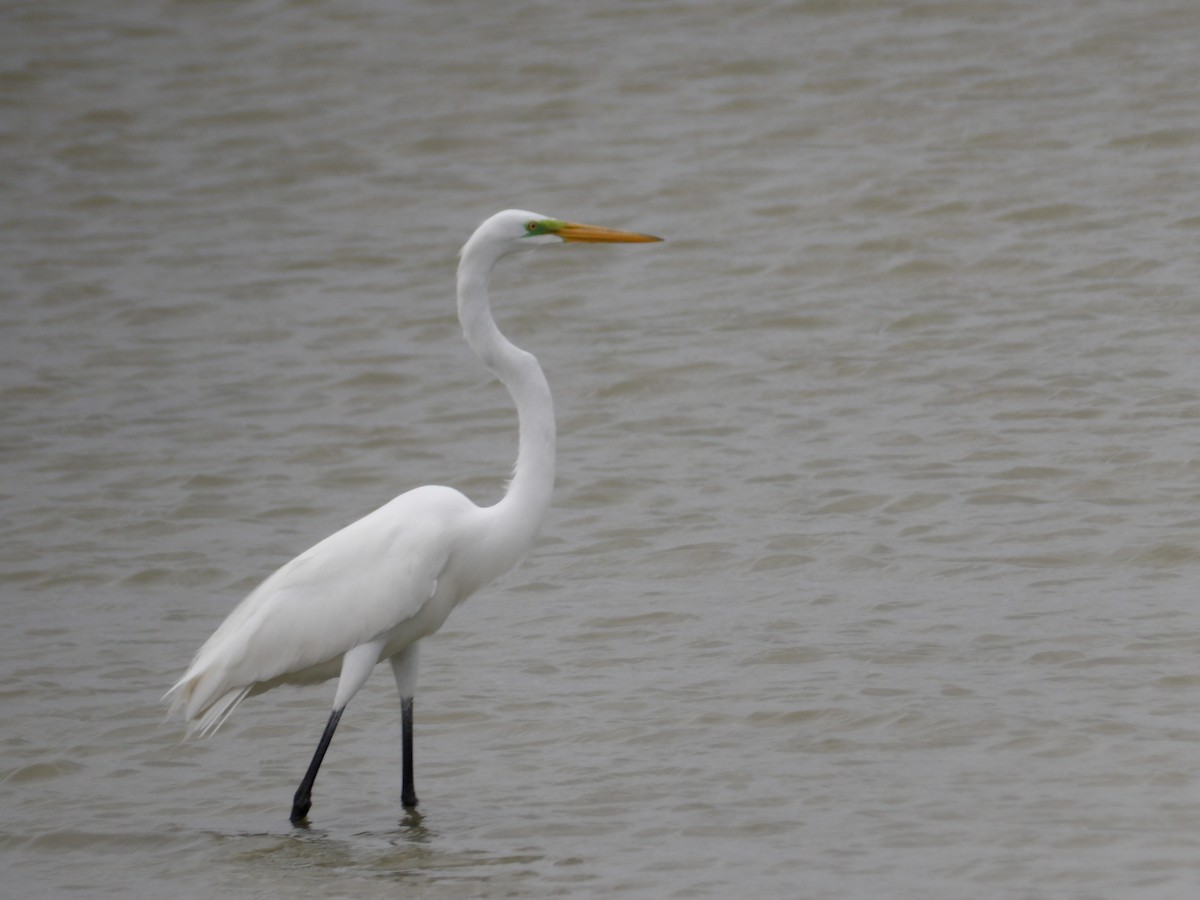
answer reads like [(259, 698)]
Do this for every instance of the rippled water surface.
[(872, 567)]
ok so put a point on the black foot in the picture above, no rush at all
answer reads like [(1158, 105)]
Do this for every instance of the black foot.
[(300, 807), (302, 801), (409, 799)]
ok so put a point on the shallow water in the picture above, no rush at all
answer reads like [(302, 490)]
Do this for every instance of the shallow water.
[(871, 568)]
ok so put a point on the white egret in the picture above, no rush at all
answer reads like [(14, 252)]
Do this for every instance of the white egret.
[(373, 590)]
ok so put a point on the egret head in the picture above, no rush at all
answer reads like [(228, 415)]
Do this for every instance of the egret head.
[(520, 229)]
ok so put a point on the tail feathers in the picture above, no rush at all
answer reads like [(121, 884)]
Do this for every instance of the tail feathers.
[(218, 711), (212, 715)]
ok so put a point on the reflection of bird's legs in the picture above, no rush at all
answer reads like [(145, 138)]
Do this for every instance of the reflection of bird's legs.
[(408, 794), (303, 799)]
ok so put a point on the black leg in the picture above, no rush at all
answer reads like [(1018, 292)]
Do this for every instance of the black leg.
[(408, 793), (303, 799)]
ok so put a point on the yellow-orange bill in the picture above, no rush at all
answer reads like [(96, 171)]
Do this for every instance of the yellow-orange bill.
[(595, 234)]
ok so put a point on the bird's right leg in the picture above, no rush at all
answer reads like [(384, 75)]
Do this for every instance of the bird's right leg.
[(356, 666), (302, 802)]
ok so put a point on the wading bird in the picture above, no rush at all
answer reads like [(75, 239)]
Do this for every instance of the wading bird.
[(373, 590)]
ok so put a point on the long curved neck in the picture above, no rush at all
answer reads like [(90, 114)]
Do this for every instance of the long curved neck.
[(521, 511)]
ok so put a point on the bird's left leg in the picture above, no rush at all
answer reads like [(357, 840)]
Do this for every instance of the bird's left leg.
[(356, 666), (404, 667)]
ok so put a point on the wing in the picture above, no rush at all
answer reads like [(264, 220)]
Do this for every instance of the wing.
[(352, 587)]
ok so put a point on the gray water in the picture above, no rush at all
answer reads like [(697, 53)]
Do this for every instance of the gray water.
[(872, 566)]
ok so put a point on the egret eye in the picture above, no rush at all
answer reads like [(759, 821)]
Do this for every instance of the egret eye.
[(531, 226)]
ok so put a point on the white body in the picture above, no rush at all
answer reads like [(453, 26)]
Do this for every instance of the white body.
[(372, 590)]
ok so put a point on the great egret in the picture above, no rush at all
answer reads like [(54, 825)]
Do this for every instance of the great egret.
[(371, 591)]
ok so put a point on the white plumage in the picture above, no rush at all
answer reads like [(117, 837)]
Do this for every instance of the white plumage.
[(371, 591)]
